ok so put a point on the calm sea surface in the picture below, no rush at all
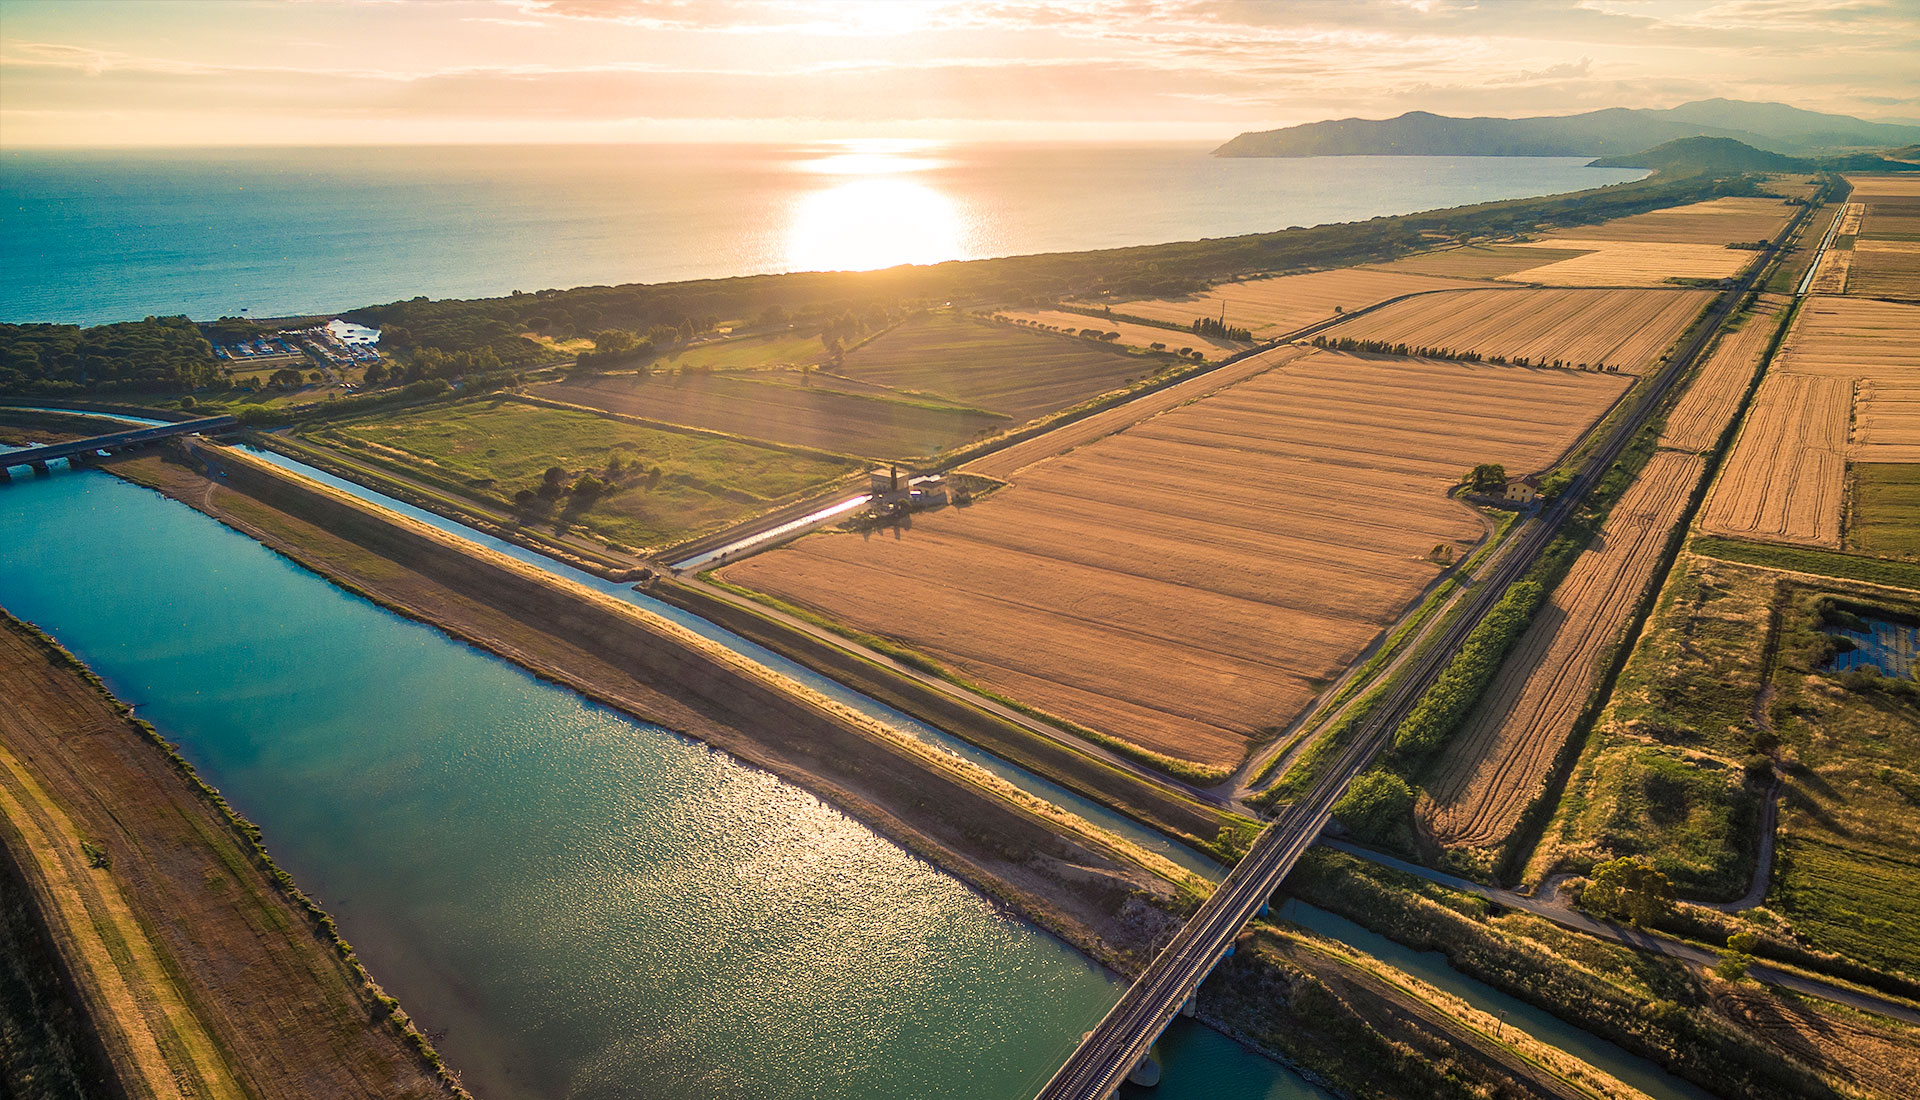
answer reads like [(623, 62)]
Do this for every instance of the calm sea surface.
[(98, 236)]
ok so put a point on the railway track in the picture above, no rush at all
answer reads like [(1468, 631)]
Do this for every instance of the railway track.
[(1122, 1039)]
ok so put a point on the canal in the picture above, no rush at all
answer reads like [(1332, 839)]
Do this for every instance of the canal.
[(573, 902)]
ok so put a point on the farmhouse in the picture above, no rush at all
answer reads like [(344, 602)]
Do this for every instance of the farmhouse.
[(1522, 490)]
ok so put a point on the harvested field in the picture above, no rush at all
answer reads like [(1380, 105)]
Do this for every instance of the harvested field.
[(990, 366), (1607, 262), (784, 408), (1835, 266), (1842, 387), (1850, 217), (1784, 478), (1879, 187), (1873, 1053), (1194, 578), (1002, 464), (1132, 334), (1625, 329), (1715, 222), (1274, 306), (1478, 261), (1711, 399), (1885, 269), (1499, 761)]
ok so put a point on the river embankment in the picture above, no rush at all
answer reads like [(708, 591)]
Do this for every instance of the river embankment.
[(1109, 899), (195, 962)]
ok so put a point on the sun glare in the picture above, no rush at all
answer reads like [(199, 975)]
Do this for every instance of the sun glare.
[(870, 222)]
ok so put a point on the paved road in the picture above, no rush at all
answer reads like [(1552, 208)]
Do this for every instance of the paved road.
[(1569, 917), (1114, 1047)]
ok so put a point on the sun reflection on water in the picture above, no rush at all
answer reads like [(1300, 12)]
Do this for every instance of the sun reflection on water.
[(874, 216)]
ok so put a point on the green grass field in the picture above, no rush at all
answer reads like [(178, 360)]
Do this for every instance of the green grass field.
[(1662, 774), (666, 485), (748, 353), (1848, 876), (1801, 559), (1885, 518)]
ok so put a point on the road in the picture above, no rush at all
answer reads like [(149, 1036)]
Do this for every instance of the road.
[(1568, 917), (1123, 1037), (136, 437)]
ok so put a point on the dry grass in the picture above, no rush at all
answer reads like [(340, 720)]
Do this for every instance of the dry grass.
[(991, 366), (1873, 1053), (1273, 306), (1131, 334), (1713, 396), (1625, 329), (1850, 217), (1499, 762), (1836, 264), (1196, 577)]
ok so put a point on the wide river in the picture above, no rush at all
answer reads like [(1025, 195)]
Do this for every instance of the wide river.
[(109, 235), (575, 903)]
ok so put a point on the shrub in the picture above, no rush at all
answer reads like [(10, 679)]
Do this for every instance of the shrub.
[(1375, 804)]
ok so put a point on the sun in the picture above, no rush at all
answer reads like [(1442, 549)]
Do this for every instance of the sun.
[(872, 222)]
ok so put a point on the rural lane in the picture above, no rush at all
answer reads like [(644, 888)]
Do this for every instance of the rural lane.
[(1569, 917)]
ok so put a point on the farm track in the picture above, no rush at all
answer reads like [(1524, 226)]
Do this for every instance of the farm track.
[(1499, 762)]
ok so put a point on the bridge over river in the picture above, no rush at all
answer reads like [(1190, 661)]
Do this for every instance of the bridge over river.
[(1121, 1041), (38, 457)]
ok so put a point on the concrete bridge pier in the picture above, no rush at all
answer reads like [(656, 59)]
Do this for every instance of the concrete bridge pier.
[(40, 469)]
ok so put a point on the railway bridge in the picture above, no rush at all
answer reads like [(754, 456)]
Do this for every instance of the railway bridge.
[(1123, 1038), (38, 457)]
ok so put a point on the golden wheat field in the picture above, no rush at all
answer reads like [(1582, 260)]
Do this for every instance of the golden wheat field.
[(1713, 396), (1625, 329), (1131, 334), (1885, 269), (1499, 762), (1277, 305), (1786, 474), (1716, 222), (1836, 265), (1885, 187), (1198, 575), (1602, 263), (1850, 217)]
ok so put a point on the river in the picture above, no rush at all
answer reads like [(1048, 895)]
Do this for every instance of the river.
[(573, 902)]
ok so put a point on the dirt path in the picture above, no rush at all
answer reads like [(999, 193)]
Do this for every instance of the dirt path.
[(1568, 917), (204, 978)]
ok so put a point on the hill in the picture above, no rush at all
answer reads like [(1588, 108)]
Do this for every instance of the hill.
[(1722, 156), (1615, 131)]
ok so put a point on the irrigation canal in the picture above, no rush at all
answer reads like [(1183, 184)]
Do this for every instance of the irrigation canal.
[(570, 899)]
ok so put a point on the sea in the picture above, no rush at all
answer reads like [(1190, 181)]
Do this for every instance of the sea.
[(94, 236)]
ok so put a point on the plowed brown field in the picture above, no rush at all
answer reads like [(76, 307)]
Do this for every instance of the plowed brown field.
[(1278, 305), (1710, 400), (1499, 761), (1628, 329), (1196, 576)]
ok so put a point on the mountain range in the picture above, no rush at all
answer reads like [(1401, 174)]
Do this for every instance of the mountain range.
[(1772, 127)]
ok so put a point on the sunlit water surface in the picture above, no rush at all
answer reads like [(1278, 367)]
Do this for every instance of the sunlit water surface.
[(92, 236), (577, 904)]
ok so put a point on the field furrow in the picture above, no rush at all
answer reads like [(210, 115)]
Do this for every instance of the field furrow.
[(1500, 759), (1711, 399)]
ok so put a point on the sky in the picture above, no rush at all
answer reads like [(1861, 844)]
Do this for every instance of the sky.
[(183, 72)]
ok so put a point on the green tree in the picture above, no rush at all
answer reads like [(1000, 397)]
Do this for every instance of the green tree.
[(1737, 957), (1630, 888), (1375, 804), (1488, 477)]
